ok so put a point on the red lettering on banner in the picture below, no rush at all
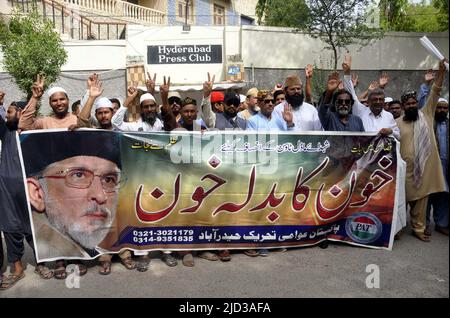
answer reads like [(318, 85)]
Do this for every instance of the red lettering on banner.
[(301, 189), (232, 207), (148, 216), (370, 189), (199, 194), (325, 213), (271, 200)]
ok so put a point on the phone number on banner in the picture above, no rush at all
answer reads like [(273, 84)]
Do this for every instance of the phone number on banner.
[(144, 236)]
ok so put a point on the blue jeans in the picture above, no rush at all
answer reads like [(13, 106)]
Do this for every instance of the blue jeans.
[(439, 202)]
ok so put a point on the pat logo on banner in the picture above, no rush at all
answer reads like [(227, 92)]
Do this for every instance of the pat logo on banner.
[(363, 227)]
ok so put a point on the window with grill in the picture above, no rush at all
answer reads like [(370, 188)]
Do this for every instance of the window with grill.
[(219, 15)]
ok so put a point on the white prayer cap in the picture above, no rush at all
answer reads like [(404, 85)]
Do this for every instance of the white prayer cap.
[(242, 98), (103, 102), (147, 96), (442, 100), (54, 90), (388, 100)]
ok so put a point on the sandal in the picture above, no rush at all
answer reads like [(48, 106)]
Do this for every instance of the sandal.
[(209, 256), (82, 269), (421, 236), (224, 256), (128, 262), (60, 273), (105, 268), (251, 253), (44, 272), (11, 280)]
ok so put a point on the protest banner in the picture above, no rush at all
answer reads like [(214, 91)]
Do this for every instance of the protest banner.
[(92, 192)]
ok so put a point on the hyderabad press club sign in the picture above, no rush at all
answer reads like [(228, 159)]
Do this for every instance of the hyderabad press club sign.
[(184, 54)]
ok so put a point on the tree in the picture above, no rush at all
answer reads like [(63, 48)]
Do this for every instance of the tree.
[(339, 23), (294, 13), (400, 15), (30, 47)]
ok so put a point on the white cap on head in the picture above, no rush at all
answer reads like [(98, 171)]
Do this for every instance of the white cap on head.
[(242, 98), (146, 96), (442, 100), (54, 90), (102, 102), (388, 99)]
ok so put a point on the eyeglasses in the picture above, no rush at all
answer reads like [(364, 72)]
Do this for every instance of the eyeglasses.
[(81, 178), (231, 104), (343, 101), (268, 101)]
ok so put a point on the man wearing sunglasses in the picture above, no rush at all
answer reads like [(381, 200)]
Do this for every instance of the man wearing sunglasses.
[(73, 182), (229, 119), (341, 119)]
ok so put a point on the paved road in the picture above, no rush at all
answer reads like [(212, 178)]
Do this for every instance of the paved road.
[(412, 269)]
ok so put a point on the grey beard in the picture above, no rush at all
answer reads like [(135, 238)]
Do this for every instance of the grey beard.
[(74, 230)]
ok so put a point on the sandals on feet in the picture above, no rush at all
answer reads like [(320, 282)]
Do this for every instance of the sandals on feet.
[(82, 269), (60, 273), (251, 253), (11, 280), (105, 268), (224, 256), (208, 256), (128, 263), (44, 272)]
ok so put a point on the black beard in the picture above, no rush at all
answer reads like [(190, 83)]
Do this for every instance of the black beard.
[(105, 126), (411, 114), (230, 114), (149, 118), (295, 100), (440, 116), (13, 124)]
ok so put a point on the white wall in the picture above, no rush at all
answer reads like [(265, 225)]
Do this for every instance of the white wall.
[(396, 51), (92, 55), (95, 55)]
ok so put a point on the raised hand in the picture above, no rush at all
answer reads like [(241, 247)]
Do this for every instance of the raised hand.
[(429, 76), (355, 80), (347, 64), (37, 88), (383, 80), (150, 83), (132, 92), (333, 82), (288, 116), (91, 80), (96, 89), (208, 86), (309, 71), (165, 87), (374, 85)]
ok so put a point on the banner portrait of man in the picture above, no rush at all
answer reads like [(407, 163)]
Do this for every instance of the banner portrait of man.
[(73, 181)]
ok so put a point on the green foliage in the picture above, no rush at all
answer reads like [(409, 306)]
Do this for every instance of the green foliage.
[(339, 23), (400, 15), (282, 13), (30, 47)]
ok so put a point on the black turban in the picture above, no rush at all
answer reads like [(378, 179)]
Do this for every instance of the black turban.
[(41, 149)]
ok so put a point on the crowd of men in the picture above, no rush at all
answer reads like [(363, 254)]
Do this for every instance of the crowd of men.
[(418, 120)]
